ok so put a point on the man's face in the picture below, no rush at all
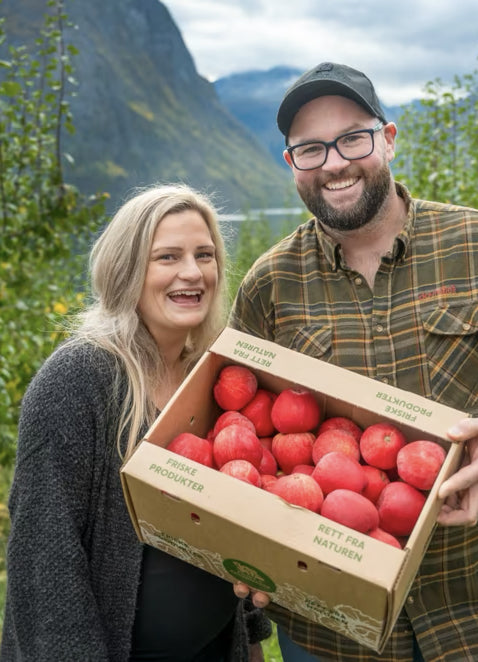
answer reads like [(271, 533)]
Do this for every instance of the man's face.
[(344, 195)]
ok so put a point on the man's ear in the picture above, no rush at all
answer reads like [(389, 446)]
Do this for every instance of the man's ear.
[(390, 131), (287, 158)]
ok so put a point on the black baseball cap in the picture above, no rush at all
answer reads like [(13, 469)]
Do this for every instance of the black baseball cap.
[(324, 79)]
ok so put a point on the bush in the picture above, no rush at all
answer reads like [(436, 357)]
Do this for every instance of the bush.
[(46, 225)]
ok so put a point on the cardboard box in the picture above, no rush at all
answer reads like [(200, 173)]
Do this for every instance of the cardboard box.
[(328, 573)]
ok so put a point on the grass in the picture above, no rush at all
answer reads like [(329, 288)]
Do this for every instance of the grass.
[(270, 646)]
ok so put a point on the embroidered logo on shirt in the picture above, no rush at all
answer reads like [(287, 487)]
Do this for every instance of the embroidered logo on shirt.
[(446, 289)]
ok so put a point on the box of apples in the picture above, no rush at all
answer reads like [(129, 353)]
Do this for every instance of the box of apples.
[(297, 477)]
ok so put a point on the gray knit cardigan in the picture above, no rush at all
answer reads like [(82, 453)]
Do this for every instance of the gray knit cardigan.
[(73, 559)]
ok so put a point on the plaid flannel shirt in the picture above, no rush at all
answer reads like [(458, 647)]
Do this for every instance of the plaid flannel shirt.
[(416, 330)]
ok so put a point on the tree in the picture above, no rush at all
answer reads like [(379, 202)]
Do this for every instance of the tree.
[(438, 142), (255, 236), (46, 225)]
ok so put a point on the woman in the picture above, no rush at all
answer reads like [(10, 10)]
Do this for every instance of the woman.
[(80, 585)]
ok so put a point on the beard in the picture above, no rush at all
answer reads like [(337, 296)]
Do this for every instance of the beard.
[(375, 192)]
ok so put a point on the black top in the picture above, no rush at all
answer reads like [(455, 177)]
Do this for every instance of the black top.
[(183, 614)]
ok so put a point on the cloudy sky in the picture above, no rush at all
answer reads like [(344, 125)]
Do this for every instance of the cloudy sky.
[(399, 44)]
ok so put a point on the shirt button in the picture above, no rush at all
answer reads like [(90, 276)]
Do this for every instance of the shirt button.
[(358, 281), (379, 328), (410, 599), (466, 326)]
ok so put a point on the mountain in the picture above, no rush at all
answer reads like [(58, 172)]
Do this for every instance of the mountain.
[(253, 97), (141, 111)]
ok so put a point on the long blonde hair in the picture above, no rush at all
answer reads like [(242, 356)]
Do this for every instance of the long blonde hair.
[(118, 264)]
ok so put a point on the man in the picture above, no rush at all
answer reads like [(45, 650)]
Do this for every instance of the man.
[(386, 286)]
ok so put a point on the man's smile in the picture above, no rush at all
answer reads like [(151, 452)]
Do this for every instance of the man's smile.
[(341, 184)]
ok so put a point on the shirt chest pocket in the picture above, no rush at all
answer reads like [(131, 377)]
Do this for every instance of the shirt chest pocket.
[(311, 340), (451, 337)]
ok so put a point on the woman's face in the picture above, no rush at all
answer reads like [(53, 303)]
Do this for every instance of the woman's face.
[(181, 278)]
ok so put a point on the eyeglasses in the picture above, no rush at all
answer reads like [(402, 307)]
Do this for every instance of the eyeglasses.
[(351, 146)]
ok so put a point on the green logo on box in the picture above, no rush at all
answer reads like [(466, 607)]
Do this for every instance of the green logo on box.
[(249, 575)]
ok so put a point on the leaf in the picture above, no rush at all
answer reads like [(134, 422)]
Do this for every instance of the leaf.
[(10, 88)]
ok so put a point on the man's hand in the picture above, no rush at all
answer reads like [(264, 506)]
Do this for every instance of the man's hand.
[(258, 598), (460, 491)]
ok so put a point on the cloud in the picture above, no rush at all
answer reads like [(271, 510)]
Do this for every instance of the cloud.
[(400, 45)]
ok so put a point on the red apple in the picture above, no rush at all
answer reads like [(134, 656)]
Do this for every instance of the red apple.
[(335, 440), (268, 463), (258, 410), (242, 470), (300, 490), (303, 469), (236, 442), (290, 449), (230, 417), (210, 435), (376, 481), (419, 463), (335, 471), (193, 447), (295, 410), (380, 534), (350, 509), (399, 507), (235, 386), (380, 443), (266, 442), (268, 480), (341, 423)]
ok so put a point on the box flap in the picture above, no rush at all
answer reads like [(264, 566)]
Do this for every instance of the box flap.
[(358, 394)]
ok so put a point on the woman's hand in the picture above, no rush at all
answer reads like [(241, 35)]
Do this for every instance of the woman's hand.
[(259, 599), (460, 491)]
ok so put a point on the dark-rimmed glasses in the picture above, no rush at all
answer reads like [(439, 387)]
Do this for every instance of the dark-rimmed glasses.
[(351, 146)]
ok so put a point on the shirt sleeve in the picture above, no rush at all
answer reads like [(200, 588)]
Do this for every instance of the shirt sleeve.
[(248, 313)]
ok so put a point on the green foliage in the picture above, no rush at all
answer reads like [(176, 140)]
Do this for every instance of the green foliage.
[(255, 236), (438, 142), (270, 647), (5, 479), (45, 225)]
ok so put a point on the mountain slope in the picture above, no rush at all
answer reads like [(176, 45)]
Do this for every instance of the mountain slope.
[(254, 98), (141, 111)]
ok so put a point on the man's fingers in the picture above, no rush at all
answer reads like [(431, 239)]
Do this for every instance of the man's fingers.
[(463, 479), (465, 429)]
